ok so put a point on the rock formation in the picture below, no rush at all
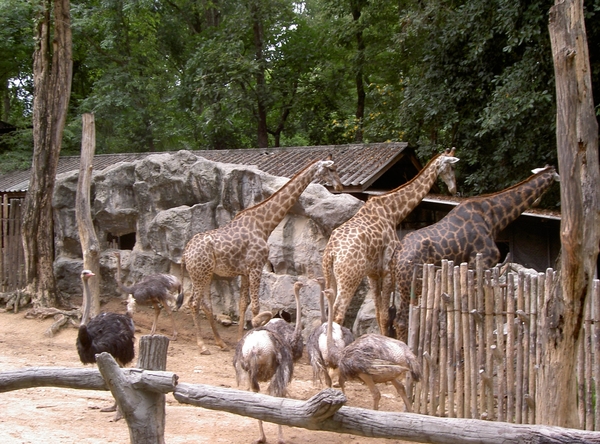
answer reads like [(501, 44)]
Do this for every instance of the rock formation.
[(153, 206)]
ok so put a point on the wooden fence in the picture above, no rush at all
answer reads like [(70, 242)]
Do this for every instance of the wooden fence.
[(471, 371), (12, 258)]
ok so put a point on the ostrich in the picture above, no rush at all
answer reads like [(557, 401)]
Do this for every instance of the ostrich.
[(373, 359), (264, 356), (291, 335), (153, 291), (107, 332), (317, 345)]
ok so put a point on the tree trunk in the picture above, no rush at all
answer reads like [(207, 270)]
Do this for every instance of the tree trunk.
[(87, 234), (577, 142), (52, 73), (257, 28), (359, 77)]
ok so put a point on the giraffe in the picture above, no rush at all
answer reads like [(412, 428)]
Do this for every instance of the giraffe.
[(363, 245), (468, 229), (240, 248)]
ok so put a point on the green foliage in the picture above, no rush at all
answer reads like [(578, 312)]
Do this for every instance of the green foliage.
[(16, 48), (475, 74), (483, 82)]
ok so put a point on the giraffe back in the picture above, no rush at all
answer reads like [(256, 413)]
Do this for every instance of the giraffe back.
[(468, 229)]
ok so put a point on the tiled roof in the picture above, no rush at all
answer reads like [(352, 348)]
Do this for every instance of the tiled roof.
[(358, 165)]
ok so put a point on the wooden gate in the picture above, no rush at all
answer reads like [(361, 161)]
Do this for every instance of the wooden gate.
[(12, 259)]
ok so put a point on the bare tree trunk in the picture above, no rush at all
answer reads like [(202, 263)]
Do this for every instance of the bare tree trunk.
[(52, 74), (577, 142), (87, 234)]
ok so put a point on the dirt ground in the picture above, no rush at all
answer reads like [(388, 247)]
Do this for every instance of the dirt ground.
[(47, 414)]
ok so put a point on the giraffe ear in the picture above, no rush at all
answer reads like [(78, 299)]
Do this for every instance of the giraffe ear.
[(450, 159)]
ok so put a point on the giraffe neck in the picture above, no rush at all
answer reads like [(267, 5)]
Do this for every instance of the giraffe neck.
[(501, 208), (269, 213), (398, 203)]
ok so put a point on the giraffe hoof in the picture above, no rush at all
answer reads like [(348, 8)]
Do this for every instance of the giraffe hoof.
[(205, 352)]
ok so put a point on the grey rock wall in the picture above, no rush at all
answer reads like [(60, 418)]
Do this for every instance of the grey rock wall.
[(167, 198)]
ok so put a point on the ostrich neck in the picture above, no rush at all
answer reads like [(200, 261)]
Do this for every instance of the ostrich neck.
[(86, 303), (332, 351), (121, 286), (298, 328), (322, 308)]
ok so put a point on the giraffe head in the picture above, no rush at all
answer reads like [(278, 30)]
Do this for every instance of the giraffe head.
[(555, 176), (547, 167), (327, 171), (446, 170)]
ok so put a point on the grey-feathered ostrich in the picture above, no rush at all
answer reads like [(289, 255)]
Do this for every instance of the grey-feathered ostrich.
[(107, 332), (292, 335), (154, 291), (317, 347), (373, 359), (267, 354)]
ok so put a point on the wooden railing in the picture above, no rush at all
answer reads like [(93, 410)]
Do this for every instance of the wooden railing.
[(477, 334)]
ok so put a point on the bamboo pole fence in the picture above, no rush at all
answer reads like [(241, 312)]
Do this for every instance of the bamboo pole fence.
[(477, 334)]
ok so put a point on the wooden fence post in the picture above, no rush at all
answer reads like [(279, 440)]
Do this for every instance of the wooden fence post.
[(142, 408)]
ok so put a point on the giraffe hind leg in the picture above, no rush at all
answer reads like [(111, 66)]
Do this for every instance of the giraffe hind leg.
[(193, 304), (206, 305)]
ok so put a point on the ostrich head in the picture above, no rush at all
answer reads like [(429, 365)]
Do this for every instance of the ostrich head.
[(86, 274)]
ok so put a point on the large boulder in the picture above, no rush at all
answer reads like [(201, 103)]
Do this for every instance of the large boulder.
[(150, 209)]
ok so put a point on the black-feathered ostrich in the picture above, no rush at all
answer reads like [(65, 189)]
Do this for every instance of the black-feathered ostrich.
[(373, 359), (267, 354), (154, 291), (107, 332), (317, 347)]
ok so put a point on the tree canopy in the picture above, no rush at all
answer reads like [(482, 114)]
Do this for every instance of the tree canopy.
[(222, 74)]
